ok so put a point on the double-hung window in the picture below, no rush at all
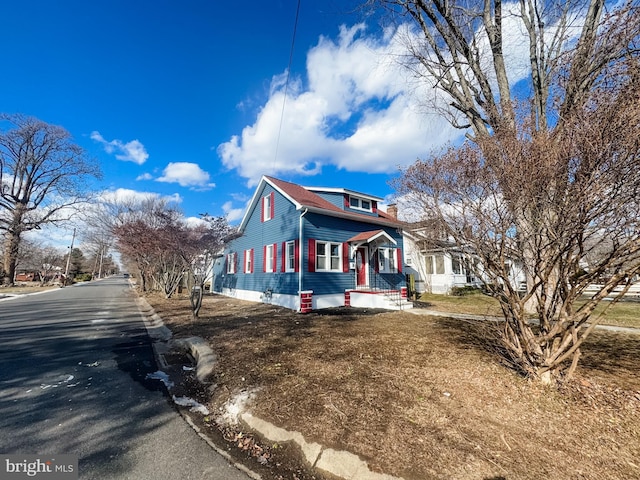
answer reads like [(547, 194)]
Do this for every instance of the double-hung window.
[(387, 260), (328, 256), (248, 261), (268, 207), (231, 262), (290, 256), (270, 258)]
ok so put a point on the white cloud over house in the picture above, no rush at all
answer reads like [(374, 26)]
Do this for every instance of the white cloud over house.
[(358, 108), (358, 112), (186, 175), (133, 151)]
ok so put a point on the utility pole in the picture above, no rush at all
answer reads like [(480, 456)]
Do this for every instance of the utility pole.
[(101, 259), (66, 270)]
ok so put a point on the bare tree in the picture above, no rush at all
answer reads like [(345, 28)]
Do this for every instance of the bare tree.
[(43, 175), (550, 181), (209, 240)]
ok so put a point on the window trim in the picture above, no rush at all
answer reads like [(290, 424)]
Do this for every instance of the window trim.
[(248, 260), (388, 260), (327, 257), (268, 207), (270, 252), (231, 263), (289, 256), (360, 201)]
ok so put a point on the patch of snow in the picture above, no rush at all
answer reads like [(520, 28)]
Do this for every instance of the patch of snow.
[(160, 375), (234, 407), (187, 369), (189, 402)]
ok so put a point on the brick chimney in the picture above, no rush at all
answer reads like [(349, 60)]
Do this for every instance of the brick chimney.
[(392, 210)]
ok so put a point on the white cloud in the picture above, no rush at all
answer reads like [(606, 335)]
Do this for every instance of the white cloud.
[(360, 109), (145, 176), (359, 112), (124, 195), (132, 151), (233, 214), (186, 175)]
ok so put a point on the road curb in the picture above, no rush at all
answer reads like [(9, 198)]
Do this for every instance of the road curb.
[(339, 463), (201, 352), (160, 336)]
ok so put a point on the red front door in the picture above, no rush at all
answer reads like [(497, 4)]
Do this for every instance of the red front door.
[(361, 267)]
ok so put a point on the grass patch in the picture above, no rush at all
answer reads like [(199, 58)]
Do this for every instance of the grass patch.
[(625, 313), (475, 303)]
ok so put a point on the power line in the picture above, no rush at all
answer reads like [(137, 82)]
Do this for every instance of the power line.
[(286, 85)]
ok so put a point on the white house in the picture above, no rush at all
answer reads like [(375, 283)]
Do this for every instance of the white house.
[(439, 266)]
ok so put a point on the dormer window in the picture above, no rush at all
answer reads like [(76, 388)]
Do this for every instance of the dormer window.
[(360, 203)]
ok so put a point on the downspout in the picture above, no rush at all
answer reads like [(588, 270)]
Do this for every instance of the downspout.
[(300, 256)]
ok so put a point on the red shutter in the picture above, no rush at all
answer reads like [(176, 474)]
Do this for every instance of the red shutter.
[(346, 201), (374, 206), (345, 257), (264, 258), (399, 259), (262, 209), (376, 261), (273, 210), (244, 262), (312, 255), (284, 257), (274, 263), (296, 249)]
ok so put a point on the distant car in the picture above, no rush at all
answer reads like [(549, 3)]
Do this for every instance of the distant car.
[(126, 275)]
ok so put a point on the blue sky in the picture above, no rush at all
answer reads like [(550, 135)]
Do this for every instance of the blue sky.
[(184, 99)]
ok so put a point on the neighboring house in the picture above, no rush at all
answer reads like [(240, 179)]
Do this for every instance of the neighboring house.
[(28, 277), (308, 248), (439, 266)]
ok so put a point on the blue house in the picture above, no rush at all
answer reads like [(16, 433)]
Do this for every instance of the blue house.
[(308, 248)]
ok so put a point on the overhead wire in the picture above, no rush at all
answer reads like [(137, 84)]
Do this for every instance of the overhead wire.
[(286, 87)]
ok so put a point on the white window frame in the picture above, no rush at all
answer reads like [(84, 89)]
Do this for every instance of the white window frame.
[(269, 265), (266, 207), (387, 260), (231, 263), (290, 256), (327, 256), (457, 259), (359, 204), (247, 260)]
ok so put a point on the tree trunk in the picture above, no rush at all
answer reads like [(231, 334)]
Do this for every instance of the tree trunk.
[(12, 243)]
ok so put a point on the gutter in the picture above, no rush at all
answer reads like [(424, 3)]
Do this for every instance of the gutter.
[(300, 256)]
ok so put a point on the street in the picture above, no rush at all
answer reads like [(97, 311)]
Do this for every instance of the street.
[(73, 363)]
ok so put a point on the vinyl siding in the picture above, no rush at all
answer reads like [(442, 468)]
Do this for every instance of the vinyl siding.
[(338, 230), (257, 234), (283, 227)]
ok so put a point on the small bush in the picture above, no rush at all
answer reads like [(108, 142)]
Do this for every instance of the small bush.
[(83, 277), (466, 290)]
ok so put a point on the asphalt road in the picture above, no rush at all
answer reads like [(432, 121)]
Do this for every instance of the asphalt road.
[(73, 363)]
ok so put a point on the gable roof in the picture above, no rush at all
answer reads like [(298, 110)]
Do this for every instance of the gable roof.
[(371, 237), (305, 199)]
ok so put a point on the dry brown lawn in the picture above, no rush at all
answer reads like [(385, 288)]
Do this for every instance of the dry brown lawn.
[(421, 397)]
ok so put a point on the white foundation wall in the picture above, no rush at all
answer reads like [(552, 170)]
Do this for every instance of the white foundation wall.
[(291, 302)]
